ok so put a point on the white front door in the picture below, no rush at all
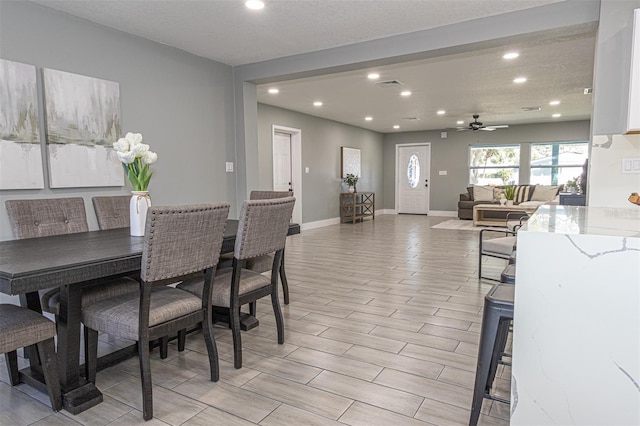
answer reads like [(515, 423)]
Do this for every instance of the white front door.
[(412, 184), (282, 162)]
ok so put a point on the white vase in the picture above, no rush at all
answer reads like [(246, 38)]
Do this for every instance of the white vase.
[(352, 189), (138, 206), (509, 203)]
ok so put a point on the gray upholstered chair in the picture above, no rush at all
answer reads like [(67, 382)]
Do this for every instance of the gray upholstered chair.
[(262, 230), (500, 247), (21, 327), (112, 212), (261, 264), (180, 242), (59, 216)]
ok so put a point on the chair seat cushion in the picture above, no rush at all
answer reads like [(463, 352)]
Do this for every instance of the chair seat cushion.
[(503, 245), (118, 316), (260, 264), (20, 327), (249, 281), (99, 291)]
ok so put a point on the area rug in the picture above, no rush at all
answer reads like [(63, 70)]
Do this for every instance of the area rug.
[(459, 225)]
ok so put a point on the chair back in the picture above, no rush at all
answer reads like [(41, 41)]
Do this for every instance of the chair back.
[(269, 195), (112, 212), (263, 227), (46, 217), (180, 240)]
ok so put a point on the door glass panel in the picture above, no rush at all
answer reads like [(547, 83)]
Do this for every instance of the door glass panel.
[(413, 171)]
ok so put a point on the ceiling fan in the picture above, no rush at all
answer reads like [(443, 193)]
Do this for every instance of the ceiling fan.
[(476, 125)]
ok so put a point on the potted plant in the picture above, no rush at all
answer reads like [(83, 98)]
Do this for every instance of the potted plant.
[(571, 186), (350, 179), (509, 194)]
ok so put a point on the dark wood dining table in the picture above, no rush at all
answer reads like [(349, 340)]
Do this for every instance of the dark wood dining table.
[(69, 262)]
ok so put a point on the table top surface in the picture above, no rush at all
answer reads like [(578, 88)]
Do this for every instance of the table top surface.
[(37, 263)]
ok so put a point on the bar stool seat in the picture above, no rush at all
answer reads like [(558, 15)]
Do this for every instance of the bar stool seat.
[(497, 316), (21, 327), (508, 275)]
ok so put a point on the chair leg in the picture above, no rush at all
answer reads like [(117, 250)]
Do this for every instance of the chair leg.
[(164, 347), (285, 284), (182, 337), (12, 367), (90, 354), (49, 359), (252, 309), (145, 378), (212, 349), (234, 323), (278, 314)]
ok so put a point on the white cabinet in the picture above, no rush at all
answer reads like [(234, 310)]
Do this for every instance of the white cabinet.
[(633, 120)]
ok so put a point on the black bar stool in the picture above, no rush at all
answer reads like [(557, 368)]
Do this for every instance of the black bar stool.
[(496, 319), (508, 276)]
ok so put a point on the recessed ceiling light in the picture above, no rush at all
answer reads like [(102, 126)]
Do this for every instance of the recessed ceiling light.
[(368, 118), (511, 55), (254, 4), (317, 103), (405, 93), (459, 122), (556, 115), (520, 80), (373, 76), (395, 126), (554, 103), (273, 91), (441, 112)]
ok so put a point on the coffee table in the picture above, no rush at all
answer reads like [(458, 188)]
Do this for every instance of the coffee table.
[(479, 211)]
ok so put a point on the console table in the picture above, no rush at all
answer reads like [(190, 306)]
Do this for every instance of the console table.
[(567, 199), (356, 206)]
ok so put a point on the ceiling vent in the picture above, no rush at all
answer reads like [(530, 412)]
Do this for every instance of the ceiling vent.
[(531, 108), (411, 118), (588, 90), (389, 83)]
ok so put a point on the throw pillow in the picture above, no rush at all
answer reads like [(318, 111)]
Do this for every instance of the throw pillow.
[(521, 194), (482, 193), (497, 192), (545, 193)]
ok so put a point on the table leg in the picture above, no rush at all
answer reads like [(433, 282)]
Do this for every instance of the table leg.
[(78, 395)]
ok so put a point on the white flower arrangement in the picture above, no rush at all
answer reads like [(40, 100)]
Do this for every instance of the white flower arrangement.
[(135, 157)]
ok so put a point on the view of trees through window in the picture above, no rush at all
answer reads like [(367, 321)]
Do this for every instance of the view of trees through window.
[(494, 165), (557, 163)]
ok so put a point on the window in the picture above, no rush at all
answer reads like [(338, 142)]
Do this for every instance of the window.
[(557, 163), (494, 165), (413, 171)]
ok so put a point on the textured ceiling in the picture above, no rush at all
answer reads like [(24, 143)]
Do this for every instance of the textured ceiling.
[(478, 82)]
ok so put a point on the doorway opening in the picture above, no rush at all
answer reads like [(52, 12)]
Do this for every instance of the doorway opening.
[(287, 164)]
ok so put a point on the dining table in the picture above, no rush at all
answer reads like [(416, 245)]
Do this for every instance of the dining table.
[(70, 262)]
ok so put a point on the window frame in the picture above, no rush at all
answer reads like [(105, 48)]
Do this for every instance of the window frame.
[(515, 166), (555, 166)]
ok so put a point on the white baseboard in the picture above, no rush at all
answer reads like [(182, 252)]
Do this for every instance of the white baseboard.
[(386, 211), (443, 213), (319, 224)]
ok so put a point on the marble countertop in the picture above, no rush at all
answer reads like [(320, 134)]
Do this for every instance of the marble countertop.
[(609, 221)]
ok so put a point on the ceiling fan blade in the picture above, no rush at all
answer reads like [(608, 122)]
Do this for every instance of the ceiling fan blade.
[(461, 129), (488, 129), (499, 126)]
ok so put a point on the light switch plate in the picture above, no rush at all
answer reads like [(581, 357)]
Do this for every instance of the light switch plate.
[(229, 167), (306, 170), (630, 165), (442, 172)]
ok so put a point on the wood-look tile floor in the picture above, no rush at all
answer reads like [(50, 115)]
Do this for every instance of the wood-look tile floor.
[(383, 328)]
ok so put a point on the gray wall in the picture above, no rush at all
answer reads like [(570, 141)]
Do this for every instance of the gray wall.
[(452, 155), (181, 103), (321, 142)]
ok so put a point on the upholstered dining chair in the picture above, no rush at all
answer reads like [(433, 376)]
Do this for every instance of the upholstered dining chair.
[(261, 264), (180, 242), (112, 212), (58, 216), (22, 327), (262, 230)]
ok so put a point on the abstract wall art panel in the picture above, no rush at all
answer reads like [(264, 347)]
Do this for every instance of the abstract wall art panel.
[(20, 149), (83, 122)]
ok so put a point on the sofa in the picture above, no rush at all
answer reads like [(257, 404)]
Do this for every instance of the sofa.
[(524, 194)]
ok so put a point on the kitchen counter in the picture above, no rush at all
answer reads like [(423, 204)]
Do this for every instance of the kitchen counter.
[(576, 350)]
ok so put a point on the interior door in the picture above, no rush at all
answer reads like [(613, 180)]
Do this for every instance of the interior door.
[(282, 162), (413, 171)]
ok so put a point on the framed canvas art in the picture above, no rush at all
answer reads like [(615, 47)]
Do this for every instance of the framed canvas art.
[(349, 161), (83, 122), (20, 149)]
